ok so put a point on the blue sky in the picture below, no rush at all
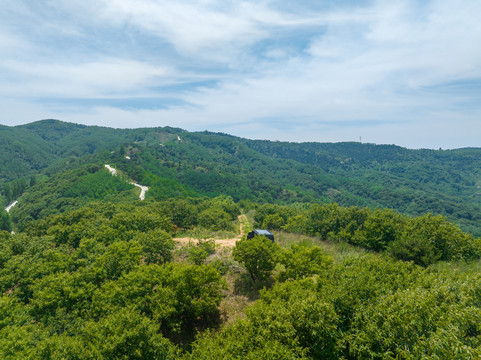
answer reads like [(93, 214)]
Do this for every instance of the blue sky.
[(388, 72)]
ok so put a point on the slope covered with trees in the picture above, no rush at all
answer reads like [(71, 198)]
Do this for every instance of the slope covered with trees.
[(174, 163), (105, 281), (28, 149)]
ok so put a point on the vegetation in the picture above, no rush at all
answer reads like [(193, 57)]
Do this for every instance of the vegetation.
[(412, 182), (360, 268), (258, 255), (103, 282), (423, 240), (5, 221), (98, 282), (365, 307)]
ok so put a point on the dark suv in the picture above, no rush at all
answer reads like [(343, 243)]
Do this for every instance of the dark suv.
[(259, 232)]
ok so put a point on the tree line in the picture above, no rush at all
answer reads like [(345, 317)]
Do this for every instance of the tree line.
[(423, 239)]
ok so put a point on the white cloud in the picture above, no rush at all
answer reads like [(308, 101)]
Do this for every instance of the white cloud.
[(321, 74), (191, 27), (92, 79), (8, 42)]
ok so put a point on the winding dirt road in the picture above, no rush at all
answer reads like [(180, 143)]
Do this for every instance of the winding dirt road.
[(143, 189)]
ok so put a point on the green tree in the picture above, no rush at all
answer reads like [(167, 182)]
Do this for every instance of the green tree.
[(5, 221), (410, 248), (197, 292), (157, 246), (33, 180), (296, 224), (289, 322), (199, 253), (127, 335), (379, 229), (215, 218), (181, 211), (7, 190), (326, 220), (429, 238), (180, 297), (417, 321), (120, 257), (273, 222), (301, 261), (70, 292), (258, 255)]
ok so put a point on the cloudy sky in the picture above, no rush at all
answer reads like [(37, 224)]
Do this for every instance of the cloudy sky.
[(388, 72)]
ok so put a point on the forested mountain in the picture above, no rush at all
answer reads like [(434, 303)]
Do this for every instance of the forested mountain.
[(173, 162), (92, 272), (27, 149)]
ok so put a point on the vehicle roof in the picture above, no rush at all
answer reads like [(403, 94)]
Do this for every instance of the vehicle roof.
[(262, 232)]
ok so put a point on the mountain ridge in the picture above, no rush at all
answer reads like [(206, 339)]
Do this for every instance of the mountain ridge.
[(413, 182)]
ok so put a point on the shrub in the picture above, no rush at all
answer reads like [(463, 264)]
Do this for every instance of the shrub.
[(157, 246), (301, 261), (258, 255)]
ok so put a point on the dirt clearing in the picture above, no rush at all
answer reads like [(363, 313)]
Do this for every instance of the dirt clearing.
[(243, 221)]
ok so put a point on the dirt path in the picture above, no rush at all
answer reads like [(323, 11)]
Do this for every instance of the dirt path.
[(9, 207), (143, 189), (243, 221), (183, 241), (221, 242)]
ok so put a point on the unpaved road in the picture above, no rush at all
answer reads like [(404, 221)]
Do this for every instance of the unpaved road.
[(143, 189), (221, 242), (9, 207)]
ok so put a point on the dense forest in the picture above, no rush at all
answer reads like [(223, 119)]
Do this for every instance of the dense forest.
[(175, 163), (376, 255), (106, 281)]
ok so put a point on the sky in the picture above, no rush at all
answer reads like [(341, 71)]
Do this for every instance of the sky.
[(386, 72)]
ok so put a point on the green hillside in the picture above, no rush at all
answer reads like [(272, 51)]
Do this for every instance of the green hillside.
[(28, 149), (93, 272), (70, 190), (411, 181), (107, 281), (414, 182)]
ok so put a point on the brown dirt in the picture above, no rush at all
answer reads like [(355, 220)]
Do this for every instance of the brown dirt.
[(221, 242)]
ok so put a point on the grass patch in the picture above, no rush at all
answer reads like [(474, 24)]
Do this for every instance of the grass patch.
[(473, 267), (338, 250), (286, 239), (233, 305)]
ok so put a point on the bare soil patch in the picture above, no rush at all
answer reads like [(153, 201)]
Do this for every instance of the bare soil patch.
[(182, 241)]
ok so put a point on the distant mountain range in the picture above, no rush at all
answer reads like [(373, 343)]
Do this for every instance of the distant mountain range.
[(50, 166)]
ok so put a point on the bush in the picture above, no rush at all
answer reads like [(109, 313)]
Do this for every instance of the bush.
[(273, 222), (379, 229), (258, 255), (200, 252), (290, 322), (157, 246), (215, 218), (301, 261), (430, 238)]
